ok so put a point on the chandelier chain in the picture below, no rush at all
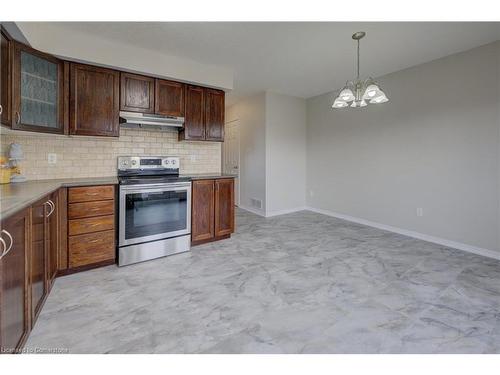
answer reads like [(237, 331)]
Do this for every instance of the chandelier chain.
[(357, 78)]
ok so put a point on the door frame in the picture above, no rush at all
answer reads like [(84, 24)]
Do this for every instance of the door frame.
[(237, 183)]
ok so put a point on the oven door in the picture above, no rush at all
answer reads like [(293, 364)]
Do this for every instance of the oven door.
[(154, 212)]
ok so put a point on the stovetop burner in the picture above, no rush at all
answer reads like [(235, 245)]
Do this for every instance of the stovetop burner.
[(136, 170)]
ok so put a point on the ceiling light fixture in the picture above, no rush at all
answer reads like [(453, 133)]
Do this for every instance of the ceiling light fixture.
[(359, 92)]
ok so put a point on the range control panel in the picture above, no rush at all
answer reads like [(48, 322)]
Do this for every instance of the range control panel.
[(131, 163)]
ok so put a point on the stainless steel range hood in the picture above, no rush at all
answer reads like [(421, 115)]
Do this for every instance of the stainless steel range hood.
[(136, 119)]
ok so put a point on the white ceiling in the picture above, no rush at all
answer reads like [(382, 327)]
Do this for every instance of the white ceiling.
[(300, 59)]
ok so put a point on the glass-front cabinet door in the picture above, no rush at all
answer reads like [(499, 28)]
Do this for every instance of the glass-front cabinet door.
[(37, 91)]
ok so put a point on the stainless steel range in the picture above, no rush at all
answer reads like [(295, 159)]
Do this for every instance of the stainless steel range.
[(154, 210)]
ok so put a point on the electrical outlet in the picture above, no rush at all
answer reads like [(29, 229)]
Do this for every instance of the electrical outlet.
[(420, 212), (52, 158)]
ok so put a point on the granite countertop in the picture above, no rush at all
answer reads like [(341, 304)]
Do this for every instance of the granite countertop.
[(14, 197), (207, 176)]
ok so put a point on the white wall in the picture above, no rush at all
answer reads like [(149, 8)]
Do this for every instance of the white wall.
[(285, 153), (251, 114), (498, 120), (435, 145), (53, 38), (273, 152)]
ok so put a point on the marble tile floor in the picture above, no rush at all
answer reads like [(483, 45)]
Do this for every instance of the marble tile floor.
[(297, 283)]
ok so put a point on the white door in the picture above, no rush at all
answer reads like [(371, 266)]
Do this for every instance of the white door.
[(231, 154)]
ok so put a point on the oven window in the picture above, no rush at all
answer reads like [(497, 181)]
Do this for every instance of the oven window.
[(148, 214)]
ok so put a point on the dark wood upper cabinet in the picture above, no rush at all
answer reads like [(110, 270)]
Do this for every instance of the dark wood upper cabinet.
[(137, 93), (169, 98), (38, 258), (204, 118), (5, 79), (94, 101), (14, 317), (214, 115), (38, 91), (202, 215), (224, 206), (194, 120)]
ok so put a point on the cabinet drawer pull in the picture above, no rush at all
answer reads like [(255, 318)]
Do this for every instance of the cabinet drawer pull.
[(11, 242), (92, 194)]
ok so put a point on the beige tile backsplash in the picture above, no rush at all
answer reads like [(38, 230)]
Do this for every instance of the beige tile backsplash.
[(96, 156)]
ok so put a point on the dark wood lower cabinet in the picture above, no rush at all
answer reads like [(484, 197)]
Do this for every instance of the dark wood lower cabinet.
[(212, 210), (91, 226), (52, 239), (224, 207), (38, 259), (14, 314), (202, 210), (34, 250)]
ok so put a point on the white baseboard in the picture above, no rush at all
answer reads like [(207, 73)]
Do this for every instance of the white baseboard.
[(272, 213), (253, 210), (284, 212), (440, 241)]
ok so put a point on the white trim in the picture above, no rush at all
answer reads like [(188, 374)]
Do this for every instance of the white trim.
[(284, 212), (440, 241), (253, 210)]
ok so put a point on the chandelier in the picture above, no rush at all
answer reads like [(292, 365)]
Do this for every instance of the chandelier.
[(359, 92)]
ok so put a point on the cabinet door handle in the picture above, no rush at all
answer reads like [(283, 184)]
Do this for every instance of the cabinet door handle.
[(11, 242), (52, 207), (4, 247), (1, 109), (18, 118)]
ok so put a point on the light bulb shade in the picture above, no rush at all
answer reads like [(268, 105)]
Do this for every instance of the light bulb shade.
[(381, 98), (346, 94), (372, 92), (339, 103)]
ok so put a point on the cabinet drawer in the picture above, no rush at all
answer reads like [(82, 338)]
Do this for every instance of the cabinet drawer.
[(91, 248), (90, 209), (91, 193), (92, 224)]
